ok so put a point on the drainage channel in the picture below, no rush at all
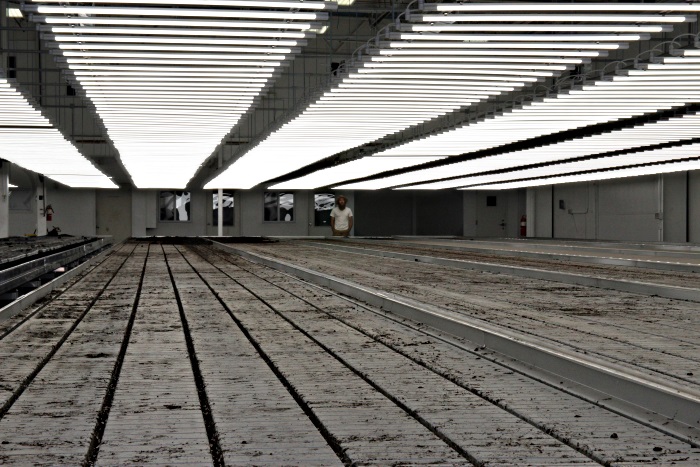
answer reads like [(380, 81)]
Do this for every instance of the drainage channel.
[(546, 430), (209, 423), (481, 432), (585, 320), (641, 439), (330, 439), (103, 414), (626, 391), (27, 381), (360, 424)]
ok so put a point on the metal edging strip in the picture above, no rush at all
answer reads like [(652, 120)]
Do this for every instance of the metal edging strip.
[(641, 288), (34, 296)]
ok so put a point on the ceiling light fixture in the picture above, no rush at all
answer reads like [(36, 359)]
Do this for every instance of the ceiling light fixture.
[(397, 82)]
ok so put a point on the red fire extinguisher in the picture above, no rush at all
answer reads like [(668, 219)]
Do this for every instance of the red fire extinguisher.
[(523, 226), (49, 213)]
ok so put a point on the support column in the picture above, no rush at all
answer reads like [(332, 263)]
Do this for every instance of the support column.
[(531, 212), (220, 213), (4, 199), (41, 207)]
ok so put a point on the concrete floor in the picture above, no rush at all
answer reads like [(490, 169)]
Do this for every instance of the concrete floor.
[(182, 354)]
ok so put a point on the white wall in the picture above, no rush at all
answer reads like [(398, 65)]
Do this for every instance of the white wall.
[(114, 213), (577, 218), (611, 210), (630, 210), (653, 208), (481, 220), (469, 213), (675, 207), (23, 221), (694, 206), (252, 215), (74, 210), (539, 212)]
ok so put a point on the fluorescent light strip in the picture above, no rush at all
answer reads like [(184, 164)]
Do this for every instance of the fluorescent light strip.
[(596, 176), (183, 34), (481, 52), (539, 28), (476, 60), (295, 5), (135, 42), (673, 130), (219, 59), (564, 112), (184, 23), (144, 80), (354, 169), (555, 6), (90, 11), (29, 147), (555, 18), (549, 46), (412, 87), (528, 38)]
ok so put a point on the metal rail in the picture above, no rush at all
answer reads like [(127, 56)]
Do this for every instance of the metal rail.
[(30, 299), (642, 288), (669, 407), (15, 276), (29, 379), (582, 257)]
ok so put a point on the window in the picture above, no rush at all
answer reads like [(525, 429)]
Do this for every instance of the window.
[(175, 206), (279, 207), (323, 205), (228, 206)]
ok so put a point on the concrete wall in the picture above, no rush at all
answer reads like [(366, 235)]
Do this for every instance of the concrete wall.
[(629, 211), (439, 213), (574, 211), (675, 207), (654, 208), (484, 219), (74, 210), (23, 206), (640, 209), (694, 207), (250, 216), (540, 211), (113, 213), (383, 213)]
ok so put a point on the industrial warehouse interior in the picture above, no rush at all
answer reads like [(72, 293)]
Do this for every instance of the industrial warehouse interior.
[(349, 232)]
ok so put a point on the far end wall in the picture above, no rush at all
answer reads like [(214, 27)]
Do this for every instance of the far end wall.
[(653, 208)]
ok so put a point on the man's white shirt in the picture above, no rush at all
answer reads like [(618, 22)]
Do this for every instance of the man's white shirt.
[(342, 218)]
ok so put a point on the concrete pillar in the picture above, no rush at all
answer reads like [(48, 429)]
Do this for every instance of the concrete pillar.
[(138, 213), (41, 207), (4, 199), (531, 211), (220, 213)]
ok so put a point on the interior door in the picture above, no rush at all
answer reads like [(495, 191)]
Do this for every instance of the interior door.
[(114, 214), (491, 214)]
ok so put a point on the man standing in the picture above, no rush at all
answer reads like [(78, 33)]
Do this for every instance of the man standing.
[(341, 218)]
